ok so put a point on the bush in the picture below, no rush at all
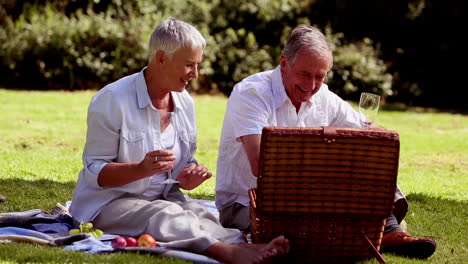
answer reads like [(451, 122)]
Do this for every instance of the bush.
[(81, 45), (44, 49), (357, 68), (78, 52)]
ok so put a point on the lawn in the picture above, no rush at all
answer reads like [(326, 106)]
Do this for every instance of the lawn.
[(42, 137)]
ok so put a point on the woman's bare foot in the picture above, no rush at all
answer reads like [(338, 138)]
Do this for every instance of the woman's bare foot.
[(248, 253), (279, 244)]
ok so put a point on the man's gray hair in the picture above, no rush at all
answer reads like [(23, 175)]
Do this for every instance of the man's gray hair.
[(305, 36), (173, 34)]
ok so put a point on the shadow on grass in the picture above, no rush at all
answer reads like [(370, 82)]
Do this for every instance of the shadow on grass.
[(43, 194), (443, 220)]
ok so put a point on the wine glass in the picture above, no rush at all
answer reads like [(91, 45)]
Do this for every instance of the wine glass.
[(169, 179), (369, 107)]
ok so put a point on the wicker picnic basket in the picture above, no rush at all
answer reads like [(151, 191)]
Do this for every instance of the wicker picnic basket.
[(328, 190)]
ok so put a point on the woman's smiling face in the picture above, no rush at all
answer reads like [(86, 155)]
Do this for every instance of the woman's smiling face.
[(183, 67)]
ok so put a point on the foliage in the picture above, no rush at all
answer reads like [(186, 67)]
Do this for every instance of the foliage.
[(71, 44), (358, 68), (81, 51)]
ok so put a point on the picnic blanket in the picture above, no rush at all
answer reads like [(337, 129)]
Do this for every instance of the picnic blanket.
[(51, 229)]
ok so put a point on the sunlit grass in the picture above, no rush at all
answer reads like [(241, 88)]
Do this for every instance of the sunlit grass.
[(42, 137)]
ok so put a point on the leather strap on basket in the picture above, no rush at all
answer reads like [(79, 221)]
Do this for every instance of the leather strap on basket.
[(375, 252), (329, 134)]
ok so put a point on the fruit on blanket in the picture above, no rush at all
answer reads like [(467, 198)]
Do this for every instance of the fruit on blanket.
[(98, 233), (86, 228), (119, 242), (131, 242), (146, 240), (73, 232)]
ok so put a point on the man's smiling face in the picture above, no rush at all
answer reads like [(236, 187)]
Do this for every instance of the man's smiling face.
[(304, 77)]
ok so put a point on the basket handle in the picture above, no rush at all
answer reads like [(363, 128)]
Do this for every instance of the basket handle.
[(253, 198)]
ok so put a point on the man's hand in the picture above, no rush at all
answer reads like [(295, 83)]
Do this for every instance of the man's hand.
[(157, 161), (375, 127), (192, 176)]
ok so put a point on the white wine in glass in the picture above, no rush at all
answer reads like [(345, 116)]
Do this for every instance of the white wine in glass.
[(169, 179), (369, 107)]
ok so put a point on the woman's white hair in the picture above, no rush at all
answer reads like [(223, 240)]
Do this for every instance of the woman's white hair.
[(305, 36), (173, 34)]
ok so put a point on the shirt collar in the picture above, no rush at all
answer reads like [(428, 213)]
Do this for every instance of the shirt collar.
[(279, 92), (176, 99), (142, 92), (141, 89)]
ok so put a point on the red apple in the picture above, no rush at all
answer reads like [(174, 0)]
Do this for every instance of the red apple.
[(146, 240), (131, 242), (119, 242)]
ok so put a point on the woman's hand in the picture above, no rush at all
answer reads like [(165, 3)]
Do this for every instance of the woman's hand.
[(116, 174), (192, 176), (157, 161)]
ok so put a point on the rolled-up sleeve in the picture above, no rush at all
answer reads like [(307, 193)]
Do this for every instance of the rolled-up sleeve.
[(344, 114), (103, 136), (248, 112)]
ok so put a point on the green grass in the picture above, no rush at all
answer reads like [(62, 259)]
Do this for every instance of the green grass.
[(42, 137)]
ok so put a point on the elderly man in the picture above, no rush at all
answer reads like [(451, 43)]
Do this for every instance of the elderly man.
[(292, 95)]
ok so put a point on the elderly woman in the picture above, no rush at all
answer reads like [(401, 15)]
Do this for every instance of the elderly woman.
[(141, 130)]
